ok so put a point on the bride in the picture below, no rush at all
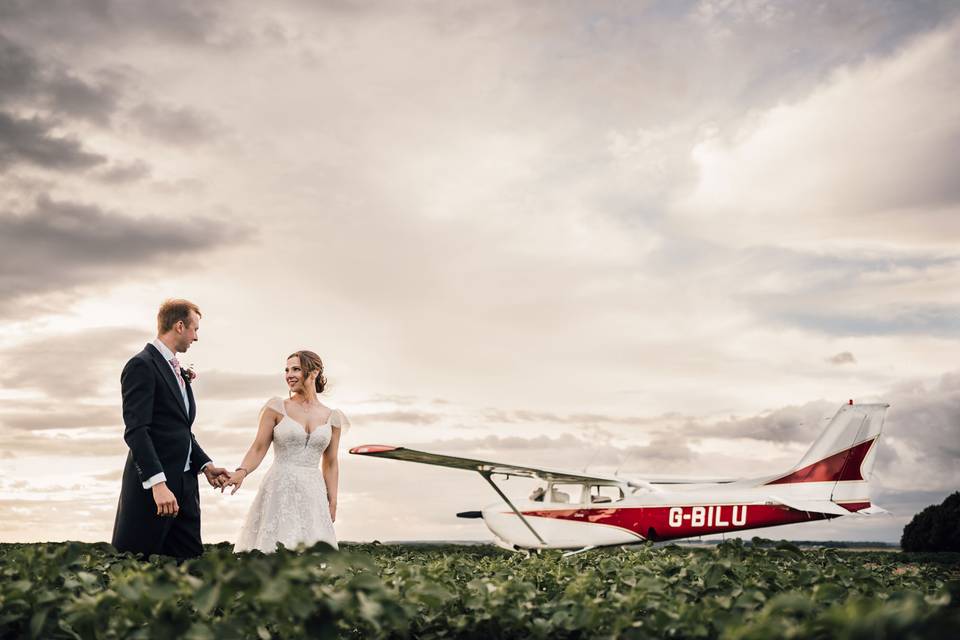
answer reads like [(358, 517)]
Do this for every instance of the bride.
[(297, 500)]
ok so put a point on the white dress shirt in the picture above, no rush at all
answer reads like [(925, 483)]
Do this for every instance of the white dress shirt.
[(168, 356)]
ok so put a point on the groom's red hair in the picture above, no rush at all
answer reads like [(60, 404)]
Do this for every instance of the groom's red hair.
[(173, 311)]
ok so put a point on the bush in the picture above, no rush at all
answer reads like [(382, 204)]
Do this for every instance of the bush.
[(936, 528)]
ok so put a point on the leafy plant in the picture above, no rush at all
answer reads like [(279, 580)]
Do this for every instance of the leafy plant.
[(74, 590)]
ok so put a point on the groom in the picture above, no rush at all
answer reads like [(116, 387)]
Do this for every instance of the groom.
[(159, 509)]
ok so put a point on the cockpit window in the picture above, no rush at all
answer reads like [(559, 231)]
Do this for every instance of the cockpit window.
[(566, 493), (600, 493)]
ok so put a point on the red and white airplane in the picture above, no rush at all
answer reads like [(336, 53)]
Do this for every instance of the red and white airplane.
[(578, 511)]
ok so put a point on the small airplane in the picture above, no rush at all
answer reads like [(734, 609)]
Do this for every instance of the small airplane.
[(579, 512)]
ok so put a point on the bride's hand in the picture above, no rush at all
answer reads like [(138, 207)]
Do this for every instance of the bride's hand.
[(333, 510), (236, 479)]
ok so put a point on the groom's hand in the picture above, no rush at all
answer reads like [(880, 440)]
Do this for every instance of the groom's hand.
[(216, 476), (235, 480), (166, 501)]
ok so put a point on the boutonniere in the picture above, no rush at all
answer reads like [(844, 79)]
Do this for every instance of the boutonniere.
[(189, 375)]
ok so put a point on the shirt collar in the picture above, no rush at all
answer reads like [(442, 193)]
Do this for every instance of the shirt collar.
[(164, 350)]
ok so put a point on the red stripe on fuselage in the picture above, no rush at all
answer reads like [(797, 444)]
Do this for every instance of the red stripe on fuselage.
[(844, 465), (669, 523)]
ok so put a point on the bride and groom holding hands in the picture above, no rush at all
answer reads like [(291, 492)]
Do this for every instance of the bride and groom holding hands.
[(159, 506)]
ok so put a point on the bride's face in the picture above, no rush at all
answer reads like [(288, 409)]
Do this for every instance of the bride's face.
[(294, 374)]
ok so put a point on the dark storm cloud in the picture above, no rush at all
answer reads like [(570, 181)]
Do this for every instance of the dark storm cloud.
[(27, 79), (787, 424), (96, 355), (19, 70), (920, 445), (70, 95), (80, 22), (176, 125), (926, 419), (31, 141), (59, 245), (120, 173)]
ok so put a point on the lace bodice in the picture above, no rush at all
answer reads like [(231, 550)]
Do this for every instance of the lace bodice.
[(293, 445)]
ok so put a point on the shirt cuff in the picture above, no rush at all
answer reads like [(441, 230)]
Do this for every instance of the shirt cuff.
[(204, 465), (155, 479)]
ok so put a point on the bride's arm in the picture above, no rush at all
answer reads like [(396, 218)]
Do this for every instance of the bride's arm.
[(331, 471), (268, 420)]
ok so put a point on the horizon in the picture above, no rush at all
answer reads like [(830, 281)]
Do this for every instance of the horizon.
[(667, 237)]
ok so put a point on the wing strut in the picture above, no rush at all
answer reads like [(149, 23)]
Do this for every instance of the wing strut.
[(486, 476)]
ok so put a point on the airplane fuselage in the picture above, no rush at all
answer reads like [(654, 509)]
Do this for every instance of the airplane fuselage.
[(663, 516)]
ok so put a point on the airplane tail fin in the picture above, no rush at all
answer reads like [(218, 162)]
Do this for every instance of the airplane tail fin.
[(838, 465)]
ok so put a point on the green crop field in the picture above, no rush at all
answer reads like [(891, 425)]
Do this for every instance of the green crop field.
[(75, 590)]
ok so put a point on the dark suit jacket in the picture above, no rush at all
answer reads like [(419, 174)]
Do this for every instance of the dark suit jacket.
[(157, 428)]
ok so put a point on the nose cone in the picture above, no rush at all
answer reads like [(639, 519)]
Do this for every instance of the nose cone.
[(470, 514)]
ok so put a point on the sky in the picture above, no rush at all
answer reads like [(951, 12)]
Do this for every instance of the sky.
[(660, 237)]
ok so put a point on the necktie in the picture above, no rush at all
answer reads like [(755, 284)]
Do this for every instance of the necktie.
[(176, 370)]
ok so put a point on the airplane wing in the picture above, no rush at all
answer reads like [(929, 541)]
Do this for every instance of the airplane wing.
[(481, 466)]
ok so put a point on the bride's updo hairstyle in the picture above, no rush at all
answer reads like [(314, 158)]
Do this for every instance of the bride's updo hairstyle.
[(310, 362)]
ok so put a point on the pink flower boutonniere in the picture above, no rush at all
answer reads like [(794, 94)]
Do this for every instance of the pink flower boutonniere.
[(189, 374)]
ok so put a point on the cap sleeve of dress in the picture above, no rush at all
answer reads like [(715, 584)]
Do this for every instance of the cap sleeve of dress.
[(340, 421), (275, 403)]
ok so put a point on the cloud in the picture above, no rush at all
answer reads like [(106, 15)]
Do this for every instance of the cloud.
[(787, 424), (18, 70), (868, 290), (923, 428), (832, 165), (175, 125), (59, 245), (404, 417), (73, 96), (228, 385), (96, 358), (42, 445), (108, 476), (120, 173), (30, 141), (28, 80), (77, 416), (175, 21), (569, 451), (844, 357), (919, 320)]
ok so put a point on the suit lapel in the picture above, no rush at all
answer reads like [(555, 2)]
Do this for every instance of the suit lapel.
[(193, 405), (167, 374)]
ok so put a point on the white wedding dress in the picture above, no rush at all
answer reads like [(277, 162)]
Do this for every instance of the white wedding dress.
[(291, 506)]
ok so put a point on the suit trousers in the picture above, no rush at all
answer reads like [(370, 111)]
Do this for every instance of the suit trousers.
[(183, 536)]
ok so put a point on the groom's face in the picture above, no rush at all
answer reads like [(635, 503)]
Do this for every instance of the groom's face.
[(188, 334)]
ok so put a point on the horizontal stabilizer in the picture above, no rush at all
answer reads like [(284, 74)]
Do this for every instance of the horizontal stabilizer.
[(873, 510), (813, 506)]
